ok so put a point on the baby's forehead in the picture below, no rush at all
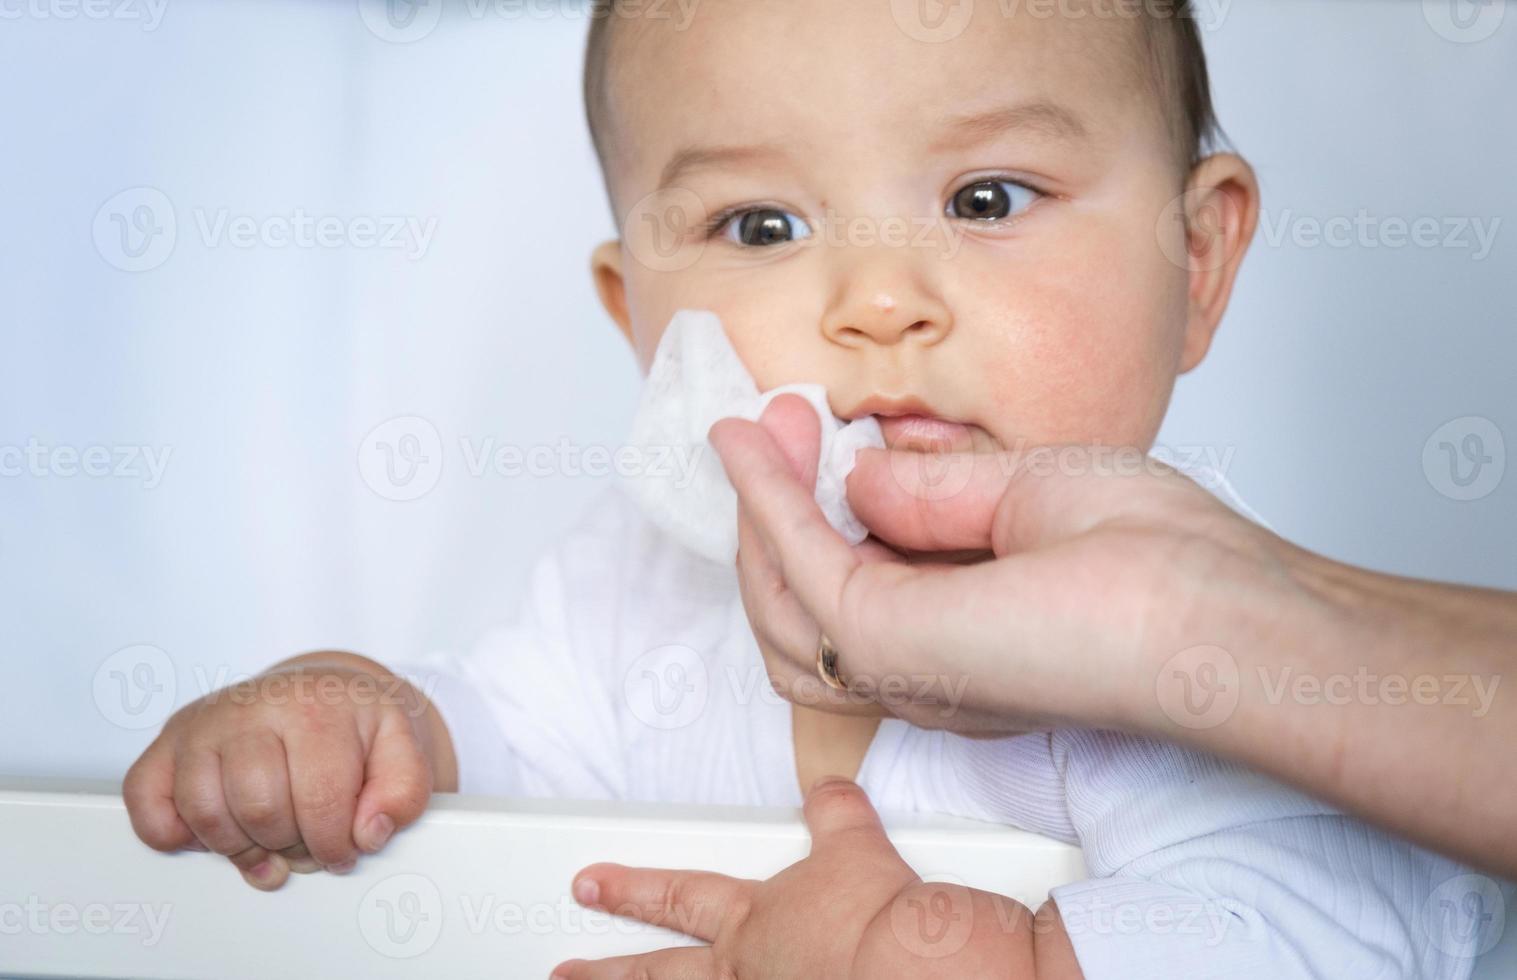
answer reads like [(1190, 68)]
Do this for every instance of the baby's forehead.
[(813, 71)]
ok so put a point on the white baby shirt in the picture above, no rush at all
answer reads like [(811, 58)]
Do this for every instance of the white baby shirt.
[(629, 672)]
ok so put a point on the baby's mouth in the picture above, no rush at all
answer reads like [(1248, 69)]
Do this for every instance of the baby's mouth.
[(912, 425), (926, 434)]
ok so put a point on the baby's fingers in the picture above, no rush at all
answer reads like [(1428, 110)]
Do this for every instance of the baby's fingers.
[(695, 903), (326, 761), (201, 801), (148, 791), (256, 781), (397, 782), (663, 964)]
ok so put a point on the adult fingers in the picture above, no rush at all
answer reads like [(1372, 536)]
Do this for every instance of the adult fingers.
[(813, 560), (884, 616), (787, 635), (795, 428), (928, 501), (1007, 502)]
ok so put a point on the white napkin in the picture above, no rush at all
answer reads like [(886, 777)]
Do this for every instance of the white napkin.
[(695, 380)]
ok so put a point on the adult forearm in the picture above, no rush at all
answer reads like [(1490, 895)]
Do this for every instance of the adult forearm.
[(1380, 694)]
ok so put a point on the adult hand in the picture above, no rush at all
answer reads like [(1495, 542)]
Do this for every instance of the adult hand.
[(1132, 599), (853, 908), (1088, 578)]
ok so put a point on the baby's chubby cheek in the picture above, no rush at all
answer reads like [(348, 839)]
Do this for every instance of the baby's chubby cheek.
[(777, 339), (1085, 368)]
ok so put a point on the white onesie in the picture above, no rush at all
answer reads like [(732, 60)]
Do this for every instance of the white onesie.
[(630, 673)]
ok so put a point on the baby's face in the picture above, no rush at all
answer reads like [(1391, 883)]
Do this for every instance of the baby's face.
[(962, 236)]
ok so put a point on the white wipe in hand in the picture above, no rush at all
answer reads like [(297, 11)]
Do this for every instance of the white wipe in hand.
[(697, 379)]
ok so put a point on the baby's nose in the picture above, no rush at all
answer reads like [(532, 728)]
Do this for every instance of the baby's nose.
[(887, 316)]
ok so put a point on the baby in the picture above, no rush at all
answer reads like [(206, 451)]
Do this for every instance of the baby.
[(990, 225)]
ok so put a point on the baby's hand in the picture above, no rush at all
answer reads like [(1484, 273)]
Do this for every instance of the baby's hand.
[(299, 768)]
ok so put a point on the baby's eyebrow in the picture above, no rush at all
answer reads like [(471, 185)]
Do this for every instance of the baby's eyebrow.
[(1038, 117), (693, 158), (1041, 117)]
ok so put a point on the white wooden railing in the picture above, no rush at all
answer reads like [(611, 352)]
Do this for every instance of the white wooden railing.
[(479, 887)]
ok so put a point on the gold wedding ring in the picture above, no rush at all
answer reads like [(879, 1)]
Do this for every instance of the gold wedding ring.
[(827, 665)]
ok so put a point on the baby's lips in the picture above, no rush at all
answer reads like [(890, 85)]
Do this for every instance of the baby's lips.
[(924, 434)]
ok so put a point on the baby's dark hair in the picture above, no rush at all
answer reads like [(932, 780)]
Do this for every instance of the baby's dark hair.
[(1176, 63)]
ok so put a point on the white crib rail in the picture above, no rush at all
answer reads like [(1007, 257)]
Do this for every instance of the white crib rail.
[(479, 887)]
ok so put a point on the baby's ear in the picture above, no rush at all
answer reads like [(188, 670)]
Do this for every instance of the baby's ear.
[(1221, 212), (606, 270)]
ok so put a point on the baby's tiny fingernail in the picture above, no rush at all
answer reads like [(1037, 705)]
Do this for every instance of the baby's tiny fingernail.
[(262, 873), (587, 891), (196, 846), (561, 972), (343, 867), (380, 829)]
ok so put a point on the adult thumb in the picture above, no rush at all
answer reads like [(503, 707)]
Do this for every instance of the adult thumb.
[(792, 423)]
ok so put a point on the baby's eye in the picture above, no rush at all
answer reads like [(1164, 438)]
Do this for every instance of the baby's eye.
[(989, 200), (761, 227)]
